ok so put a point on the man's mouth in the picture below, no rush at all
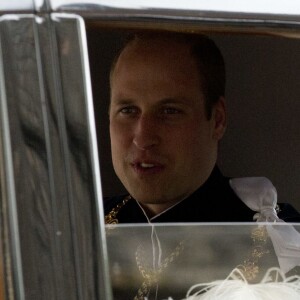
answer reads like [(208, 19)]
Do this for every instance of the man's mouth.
[(146, 165)]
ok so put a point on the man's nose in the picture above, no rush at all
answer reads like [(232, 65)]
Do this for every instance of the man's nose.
[(146, 133)]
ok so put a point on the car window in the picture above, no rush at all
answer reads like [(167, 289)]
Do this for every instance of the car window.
[(262, 93)]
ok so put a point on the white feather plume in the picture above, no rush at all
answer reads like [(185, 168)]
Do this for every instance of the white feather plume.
[(274, 286)]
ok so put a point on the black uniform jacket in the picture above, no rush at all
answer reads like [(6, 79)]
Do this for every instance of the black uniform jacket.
[(214, 201)]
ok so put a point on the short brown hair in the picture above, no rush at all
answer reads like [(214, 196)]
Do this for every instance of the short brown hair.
[(208, 57)]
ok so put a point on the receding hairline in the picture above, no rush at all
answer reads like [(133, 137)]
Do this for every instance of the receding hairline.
[(145, 38), (207, 56)]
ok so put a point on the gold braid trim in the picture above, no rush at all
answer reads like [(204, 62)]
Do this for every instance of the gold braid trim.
[(250, 267), (152, 276), (111, 217)]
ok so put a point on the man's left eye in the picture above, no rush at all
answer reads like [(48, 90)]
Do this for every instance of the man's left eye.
[(171, 110)]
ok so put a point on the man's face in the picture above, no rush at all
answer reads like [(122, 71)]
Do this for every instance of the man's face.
[(163, 145)]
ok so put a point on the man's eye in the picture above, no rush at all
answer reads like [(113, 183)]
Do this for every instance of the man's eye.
[(128, 110), (171, 110)]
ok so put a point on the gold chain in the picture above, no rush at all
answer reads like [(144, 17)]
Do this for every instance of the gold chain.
[(152, 276), (250, 267), (111, 217)]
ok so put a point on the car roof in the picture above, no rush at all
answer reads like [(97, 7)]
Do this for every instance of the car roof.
[(266, 8)]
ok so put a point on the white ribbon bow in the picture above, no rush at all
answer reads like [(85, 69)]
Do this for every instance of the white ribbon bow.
[(259, 194)]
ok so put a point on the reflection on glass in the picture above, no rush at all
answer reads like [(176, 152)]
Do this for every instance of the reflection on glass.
[(163, 262), (1, 270)]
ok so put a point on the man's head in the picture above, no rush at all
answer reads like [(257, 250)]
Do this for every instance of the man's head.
[(208, 58), (167, 115)]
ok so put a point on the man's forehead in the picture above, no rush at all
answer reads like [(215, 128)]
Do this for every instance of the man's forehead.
[(159, 44), (156, 65)]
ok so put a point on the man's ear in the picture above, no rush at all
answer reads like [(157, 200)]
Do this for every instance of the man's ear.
[(219, 118)]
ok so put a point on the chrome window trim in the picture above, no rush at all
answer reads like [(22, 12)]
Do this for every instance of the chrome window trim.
[(58, 228), (288, 7), (200, 13), (11, 203), (106, 293), (188, 10)]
